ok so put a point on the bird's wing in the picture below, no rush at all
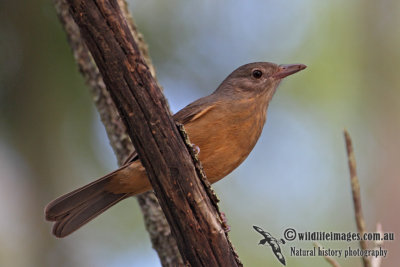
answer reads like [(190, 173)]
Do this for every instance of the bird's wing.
[(195, 110), (189, 113)]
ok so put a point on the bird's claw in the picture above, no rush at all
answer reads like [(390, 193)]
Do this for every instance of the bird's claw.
[(196, 149)]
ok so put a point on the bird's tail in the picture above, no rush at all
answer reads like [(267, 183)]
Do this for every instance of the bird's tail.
[(73, 210)]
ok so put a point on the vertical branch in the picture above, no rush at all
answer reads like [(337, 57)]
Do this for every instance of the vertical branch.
[(355, 189), (156, 224)]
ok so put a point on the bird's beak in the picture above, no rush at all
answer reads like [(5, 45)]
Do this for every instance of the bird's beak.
[(286, 70)]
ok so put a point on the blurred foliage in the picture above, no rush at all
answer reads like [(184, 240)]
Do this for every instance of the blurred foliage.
[(51, 140)]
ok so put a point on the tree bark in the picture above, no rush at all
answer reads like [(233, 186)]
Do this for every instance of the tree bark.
[(192, 215), (160, 233)]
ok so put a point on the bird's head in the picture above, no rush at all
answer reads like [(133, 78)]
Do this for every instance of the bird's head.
[(256, 79)]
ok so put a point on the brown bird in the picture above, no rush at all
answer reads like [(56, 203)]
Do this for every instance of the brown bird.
[(224, 125)]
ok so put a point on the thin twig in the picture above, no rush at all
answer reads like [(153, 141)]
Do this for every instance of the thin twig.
[(329, 259), (377, 261), (355, 189)]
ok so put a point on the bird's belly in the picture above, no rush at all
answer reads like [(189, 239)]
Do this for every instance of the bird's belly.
[(223, 146)]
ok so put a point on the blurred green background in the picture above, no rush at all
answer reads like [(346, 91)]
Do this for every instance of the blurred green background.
[(51, 139)]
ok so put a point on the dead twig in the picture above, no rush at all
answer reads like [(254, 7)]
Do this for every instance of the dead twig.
[(377, 261), (355, 189)]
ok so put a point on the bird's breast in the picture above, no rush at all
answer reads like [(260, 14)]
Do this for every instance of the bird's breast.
[(226, 134)]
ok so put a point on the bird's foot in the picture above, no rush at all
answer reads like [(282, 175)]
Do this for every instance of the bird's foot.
[(196, 149)]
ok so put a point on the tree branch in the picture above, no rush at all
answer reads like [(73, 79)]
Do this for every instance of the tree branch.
[(156, 224), (200, 236)]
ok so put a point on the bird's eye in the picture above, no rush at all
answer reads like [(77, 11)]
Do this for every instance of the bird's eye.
[(257, 74)]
